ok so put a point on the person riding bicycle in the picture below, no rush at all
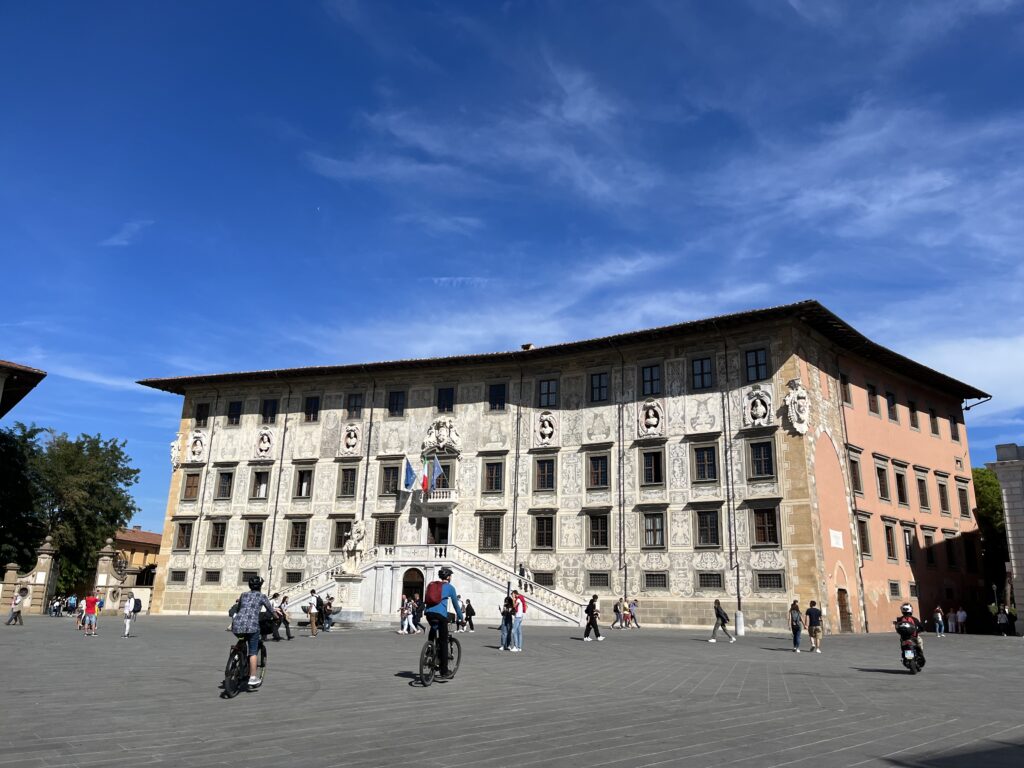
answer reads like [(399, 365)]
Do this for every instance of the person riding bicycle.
[(246, 623), (437, 616), (909, 626)]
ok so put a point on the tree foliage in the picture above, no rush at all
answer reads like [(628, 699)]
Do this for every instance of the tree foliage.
[(989, 496), (76, 490)]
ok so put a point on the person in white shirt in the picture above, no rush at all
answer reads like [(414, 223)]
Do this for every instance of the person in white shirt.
[(14, 617), (129, 607)]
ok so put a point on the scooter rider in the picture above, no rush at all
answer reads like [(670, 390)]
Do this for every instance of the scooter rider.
[(907, 617)]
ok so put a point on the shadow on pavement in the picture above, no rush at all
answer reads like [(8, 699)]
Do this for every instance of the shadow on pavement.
[(1006, 755), (882, 671)]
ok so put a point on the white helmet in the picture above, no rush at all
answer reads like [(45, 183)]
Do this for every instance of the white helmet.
[(906, 609)]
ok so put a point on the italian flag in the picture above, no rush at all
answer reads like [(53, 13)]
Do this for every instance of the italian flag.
[(425, 484)]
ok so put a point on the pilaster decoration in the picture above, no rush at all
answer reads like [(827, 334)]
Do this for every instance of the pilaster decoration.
[(197, 446), (350, 439), (798, 407), (176, 452), (264, 443), (547, 429), (442, 437), (650, 419), (757, 407)]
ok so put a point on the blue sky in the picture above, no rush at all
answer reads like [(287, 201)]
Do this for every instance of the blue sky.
[(196, 187)]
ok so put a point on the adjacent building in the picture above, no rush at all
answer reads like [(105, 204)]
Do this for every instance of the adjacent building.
[(16, 381), (757, 458), (1009, 468)]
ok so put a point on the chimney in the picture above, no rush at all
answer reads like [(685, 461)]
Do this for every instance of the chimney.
[(526, 347), (136, 527)]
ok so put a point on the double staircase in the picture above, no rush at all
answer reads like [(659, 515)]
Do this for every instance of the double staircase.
[(552, 605)]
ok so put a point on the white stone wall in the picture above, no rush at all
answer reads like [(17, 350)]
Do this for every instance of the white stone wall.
[(1009, 468)]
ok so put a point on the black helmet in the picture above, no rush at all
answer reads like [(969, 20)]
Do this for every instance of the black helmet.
[(255, 583), (444, 574)]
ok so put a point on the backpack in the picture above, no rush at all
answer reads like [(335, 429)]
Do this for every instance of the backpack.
[(434, 593), (137, 607), (319, 604)]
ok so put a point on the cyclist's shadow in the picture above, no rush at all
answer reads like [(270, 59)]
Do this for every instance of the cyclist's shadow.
[(413, 677)]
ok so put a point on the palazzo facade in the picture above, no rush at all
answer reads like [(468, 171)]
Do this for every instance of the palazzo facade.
[(756, 458)]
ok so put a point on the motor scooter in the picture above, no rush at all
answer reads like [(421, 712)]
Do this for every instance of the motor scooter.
[(910, 651)]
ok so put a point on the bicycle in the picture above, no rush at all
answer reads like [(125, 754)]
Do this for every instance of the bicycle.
[(430, 664), (236, 671)]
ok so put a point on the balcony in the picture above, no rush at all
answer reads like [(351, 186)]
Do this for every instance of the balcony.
[(443, 496)]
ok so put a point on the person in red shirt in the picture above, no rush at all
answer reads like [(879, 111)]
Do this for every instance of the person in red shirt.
[(90, 614)]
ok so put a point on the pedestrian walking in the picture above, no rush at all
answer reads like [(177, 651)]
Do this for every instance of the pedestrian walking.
[(812, 623), (519, 601), (461, 625), (14, 617), (1002, 621), (721, 619), (417, 613), (940, 624), (328, 613), (315, 602), (796, 624), (92, 603), (961, 621), (593, 613), (633, 612), (617, 610), (129, 612), (282, 613), (950, 621), (507, 612), (469, 612)]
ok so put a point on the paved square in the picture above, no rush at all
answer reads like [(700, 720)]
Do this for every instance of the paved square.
[(641, 698)]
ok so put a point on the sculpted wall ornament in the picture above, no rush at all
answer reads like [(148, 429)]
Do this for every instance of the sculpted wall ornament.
[(546, 428), (350, 440), (704, 419), (757, 407), (264, 443), (649, 423), (798, 406), (176, 452), (196, 446), (442, 437), (353, 547)]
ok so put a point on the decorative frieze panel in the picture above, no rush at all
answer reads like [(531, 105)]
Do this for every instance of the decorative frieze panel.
[(571, 474), (680, 528), (573, 392), (705, 414), (304, 446), (442, 437), (495, 433), (571, 529), (599, 429)]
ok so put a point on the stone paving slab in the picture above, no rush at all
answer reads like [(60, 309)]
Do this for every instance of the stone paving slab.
[(641, 698)]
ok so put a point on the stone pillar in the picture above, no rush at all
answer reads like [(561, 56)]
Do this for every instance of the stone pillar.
[(10, 584), (108, 585), (349, 592), (37, 585)]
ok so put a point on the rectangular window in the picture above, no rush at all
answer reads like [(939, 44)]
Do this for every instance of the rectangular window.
[(954, 429), (396, 403), (260, 484), (705, 464), (902, 497), (177, 577), (598, 387), (771, 581), (894, 590), (700, 373), (544, 476), (844, 388), (950, 549), (254, 534), (224, 482), (211, 577), (963, 501), (268, 410), (544, 578), (762, 462), (202, 414), (218, 532), (496, 396), (292, 577), (757, 365), (658, 580), (597, 471), (922, 492), (543, 532), (442, 481), (490, 533), (929, 548), (297, 535), (654, 530), (598, 538), (389, 480), (872, 398), (882, 476), (235, 413), (890, 406), (766, 528), (311, 409), (943, 497), (933, 420), (653, 466), (547, 393), (183, 536), (494, 476), (191, 490), (342, 530), (599, 579), (385, 535), (708, 528), (445, 399), (890, 542), (347, 482), (304, 484), (912, 409), (855, 481), (908, 544), (710, 580), (912, 587), (244, 576), (650, 380), (354, 405), (864, 537)]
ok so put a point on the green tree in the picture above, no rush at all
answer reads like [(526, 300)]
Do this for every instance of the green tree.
[(991, 524), (22, 528), (989, 496)]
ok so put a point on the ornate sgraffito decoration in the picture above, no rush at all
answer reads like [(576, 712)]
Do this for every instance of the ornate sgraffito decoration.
[(757, 407), (442, 437), (176, 451), (599, 429), (264, 443), (651, 419), (798, 406), (196, 446), (350, 440), (546, 429), (704, 420)]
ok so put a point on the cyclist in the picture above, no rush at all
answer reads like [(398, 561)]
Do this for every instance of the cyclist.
[(246, 623), (437, 617)]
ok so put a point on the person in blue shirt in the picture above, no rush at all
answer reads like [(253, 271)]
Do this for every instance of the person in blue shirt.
[(437, 617), (246, 623)]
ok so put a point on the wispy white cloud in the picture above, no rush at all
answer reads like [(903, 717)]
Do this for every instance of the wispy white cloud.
[(87, 376), (443, 224), (381, 35), (460, 281), (127, 234)]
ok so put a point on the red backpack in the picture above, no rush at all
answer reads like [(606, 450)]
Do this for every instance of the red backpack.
[(434, 593)]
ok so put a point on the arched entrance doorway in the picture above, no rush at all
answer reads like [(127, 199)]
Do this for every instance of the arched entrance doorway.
[(412, 582), (845, 615)]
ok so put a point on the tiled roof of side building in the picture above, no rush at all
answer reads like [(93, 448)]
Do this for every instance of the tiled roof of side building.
[(138, 537), (19, 380), (810, 312)]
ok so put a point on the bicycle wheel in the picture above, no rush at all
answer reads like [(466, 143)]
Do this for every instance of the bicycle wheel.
[(235, 673), (454, 655), (261, 668), (427, 666)]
